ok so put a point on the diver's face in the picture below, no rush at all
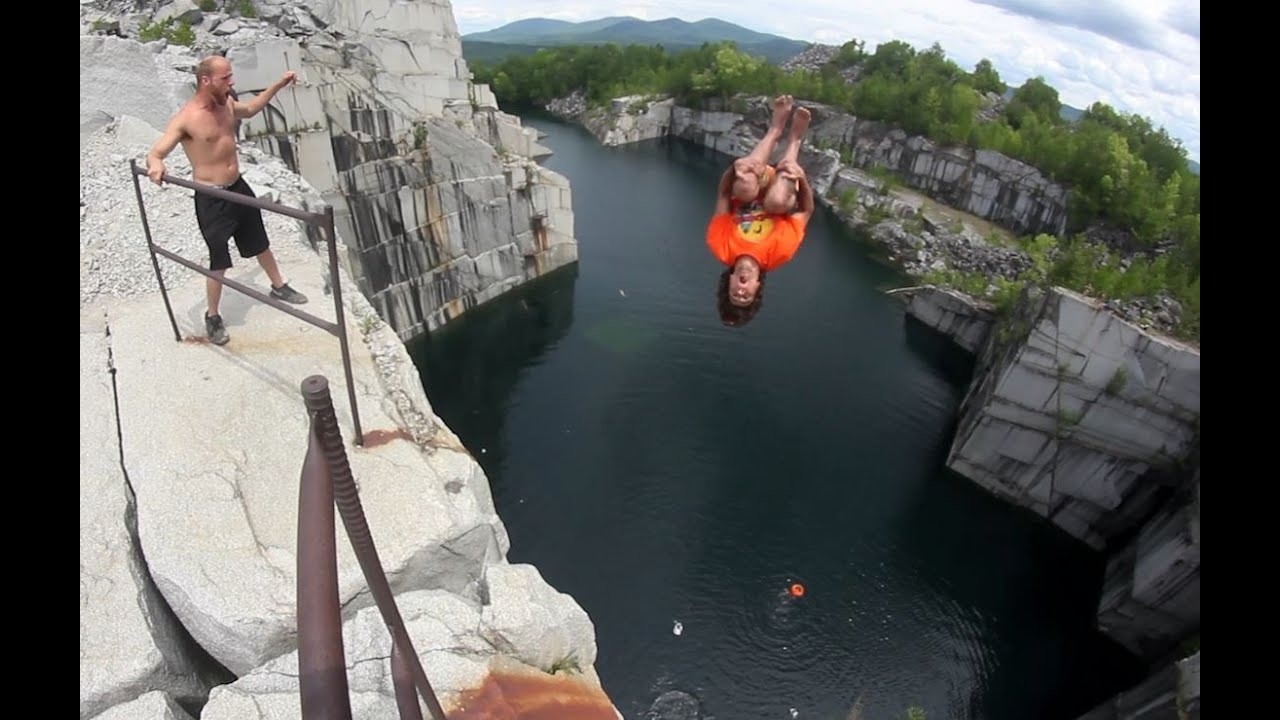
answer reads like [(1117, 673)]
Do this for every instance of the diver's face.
[(744, 283)]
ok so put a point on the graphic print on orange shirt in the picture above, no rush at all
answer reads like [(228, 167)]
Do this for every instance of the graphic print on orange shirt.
[(753, 223)]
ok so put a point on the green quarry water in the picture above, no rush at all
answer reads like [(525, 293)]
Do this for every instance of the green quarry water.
[(661, 468)]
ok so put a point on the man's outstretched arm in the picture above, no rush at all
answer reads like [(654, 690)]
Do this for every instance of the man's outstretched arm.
[(253, 107)]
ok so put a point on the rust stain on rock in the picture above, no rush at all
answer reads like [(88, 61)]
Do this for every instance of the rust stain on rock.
[(244, 342), (533, 695), (377, 438)]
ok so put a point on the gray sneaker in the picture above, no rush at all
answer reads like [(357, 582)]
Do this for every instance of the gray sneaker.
[(217, 331), (288, 294)]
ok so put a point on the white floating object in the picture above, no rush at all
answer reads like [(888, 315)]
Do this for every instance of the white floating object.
[(795, 712), (621, 293), (677, 628)]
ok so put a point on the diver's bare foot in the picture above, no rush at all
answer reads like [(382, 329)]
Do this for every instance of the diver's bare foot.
[(799, 124), (781, 111)]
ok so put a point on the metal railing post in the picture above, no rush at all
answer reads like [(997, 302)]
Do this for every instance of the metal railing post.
[(331, 235), (323, 220), (151, 247), (322, 666), (316, 391), (402, 681)]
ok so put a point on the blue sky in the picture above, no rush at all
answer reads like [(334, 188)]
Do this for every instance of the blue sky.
[(1138, 57)]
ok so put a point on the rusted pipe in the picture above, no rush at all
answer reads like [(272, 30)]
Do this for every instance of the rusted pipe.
[(402, 680), (331, 237), (316, 391), (322, 667), (326, 223), (329, 327), (257, 202), (151, 248)]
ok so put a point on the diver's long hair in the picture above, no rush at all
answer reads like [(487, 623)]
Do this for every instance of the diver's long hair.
[(734, 315)]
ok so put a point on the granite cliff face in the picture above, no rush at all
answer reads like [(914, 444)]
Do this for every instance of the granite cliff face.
[(1093, 423), (1151, 595), (985, 184), (953, 314), (434, 188), (1071, 407), (1173, 691), (188, 537)]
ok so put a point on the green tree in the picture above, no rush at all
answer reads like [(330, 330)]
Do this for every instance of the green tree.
[(877, 98), (986, 79), (850, 53), (890, 58), (734, 69), (997, 136), (502, 85), (954, 117), (1035, 98)]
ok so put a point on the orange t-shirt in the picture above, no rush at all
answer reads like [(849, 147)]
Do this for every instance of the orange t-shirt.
[(747, 230)]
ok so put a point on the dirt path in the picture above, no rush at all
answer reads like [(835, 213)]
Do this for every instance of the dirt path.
[(946, 216)]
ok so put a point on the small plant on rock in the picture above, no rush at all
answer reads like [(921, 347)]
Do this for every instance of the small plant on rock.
[(565, 664), (181, 34), (1118, 380)]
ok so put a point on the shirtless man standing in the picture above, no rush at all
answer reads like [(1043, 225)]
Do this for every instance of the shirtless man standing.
[(206, 128)]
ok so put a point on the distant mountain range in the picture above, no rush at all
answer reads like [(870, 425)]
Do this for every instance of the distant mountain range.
[(674, 34), (525, 37)]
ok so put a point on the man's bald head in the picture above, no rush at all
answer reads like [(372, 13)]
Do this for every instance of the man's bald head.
[(214, 78), (210, 67)]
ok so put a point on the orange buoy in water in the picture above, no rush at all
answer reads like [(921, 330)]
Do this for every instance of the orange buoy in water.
[(797, 590)]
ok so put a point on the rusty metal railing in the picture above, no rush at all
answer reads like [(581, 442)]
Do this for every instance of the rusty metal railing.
[(326, 481), (324, 220)]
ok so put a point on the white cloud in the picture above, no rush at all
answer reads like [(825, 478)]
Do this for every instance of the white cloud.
[(1141, 57)]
